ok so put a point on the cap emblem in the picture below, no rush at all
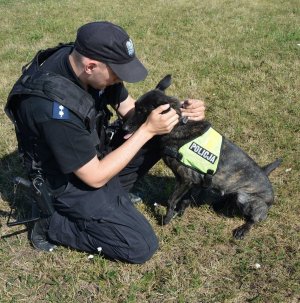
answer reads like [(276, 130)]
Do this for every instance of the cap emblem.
[(130, 48)]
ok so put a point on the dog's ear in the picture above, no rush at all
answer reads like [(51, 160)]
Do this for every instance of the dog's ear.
[(164, 83)]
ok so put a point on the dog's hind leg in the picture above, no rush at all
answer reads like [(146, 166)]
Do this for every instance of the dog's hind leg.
[(254, 209), (180, 190)]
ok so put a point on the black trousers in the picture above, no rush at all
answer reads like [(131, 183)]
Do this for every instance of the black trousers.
[(114, 226), (123, 234)]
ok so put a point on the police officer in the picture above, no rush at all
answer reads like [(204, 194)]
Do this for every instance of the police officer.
[(59, 103)]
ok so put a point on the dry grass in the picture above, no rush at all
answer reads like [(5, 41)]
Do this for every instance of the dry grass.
[(243, 58)]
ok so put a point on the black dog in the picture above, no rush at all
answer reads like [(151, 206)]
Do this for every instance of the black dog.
[(237, 174)]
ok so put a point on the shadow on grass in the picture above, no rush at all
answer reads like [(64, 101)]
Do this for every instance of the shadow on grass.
[(157, 189), (10, 168), (18, 199)]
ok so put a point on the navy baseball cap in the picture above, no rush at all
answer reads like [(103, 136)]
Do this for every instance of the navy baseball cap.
[(109, 43)]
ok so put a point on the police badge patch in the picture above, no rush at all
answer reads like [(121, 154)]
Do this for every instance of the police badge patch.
[(59, 111)]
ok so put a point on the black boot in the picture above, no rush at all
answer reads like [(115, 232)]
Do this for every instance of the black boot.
[(39, 238)]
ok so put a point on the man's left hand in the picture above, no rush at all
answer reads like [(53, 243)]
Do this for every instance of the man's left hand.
[(193, 109)]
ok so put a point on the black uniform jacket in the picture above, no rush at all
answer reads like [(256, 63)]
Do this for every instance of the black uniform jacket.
[(64, 143)]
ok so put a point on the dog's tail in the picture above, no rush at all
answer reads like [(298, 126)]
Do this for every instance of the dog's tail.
[(271, 166)]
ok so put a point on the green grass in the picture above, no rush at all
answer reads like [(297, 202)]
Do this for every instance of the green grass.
[(242, 57)]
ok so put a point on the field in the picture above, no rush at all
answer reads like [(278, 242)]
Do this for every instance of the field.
[(242, 58)]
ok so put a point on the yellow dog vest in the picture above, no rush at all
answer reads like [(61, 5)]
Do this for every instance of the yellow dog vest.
[(203, 153)]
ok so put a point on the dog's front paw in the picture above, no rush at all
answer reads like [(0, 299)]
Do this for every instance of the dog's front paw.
[(166, 220), (163, 222), (169, 216)]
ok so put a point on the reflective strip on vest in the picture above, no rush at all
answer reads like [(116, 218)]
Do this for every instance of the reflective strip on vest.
[(203, 153)]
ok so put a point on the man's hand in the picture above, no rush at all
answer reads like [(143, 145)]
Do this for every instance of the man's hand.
[(159, 123), (193, 109)]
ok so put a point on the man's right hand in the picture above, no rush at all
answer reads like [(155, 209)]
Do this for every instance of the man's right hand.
[(159, 123)]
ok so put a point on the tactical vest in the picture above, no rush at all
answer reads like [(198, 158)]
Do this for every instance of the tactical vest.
[(57, 88), (54, 87)]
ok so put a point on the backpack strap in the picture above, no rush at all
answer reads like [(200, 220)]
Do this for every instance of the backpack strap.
[(56, 88), (42, 55), (62, 90)]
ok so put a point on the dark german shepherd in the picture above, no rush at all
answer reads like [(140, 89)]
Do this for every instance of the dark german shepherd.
[(237, 176)]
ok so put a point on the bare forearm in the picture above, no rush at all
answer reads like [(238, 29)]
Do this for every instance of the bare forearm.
[(97, 173), (115, 161)]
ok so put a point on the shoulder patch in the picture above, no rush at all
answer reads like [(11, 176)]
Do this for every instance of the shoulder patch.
[(59, 111)]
